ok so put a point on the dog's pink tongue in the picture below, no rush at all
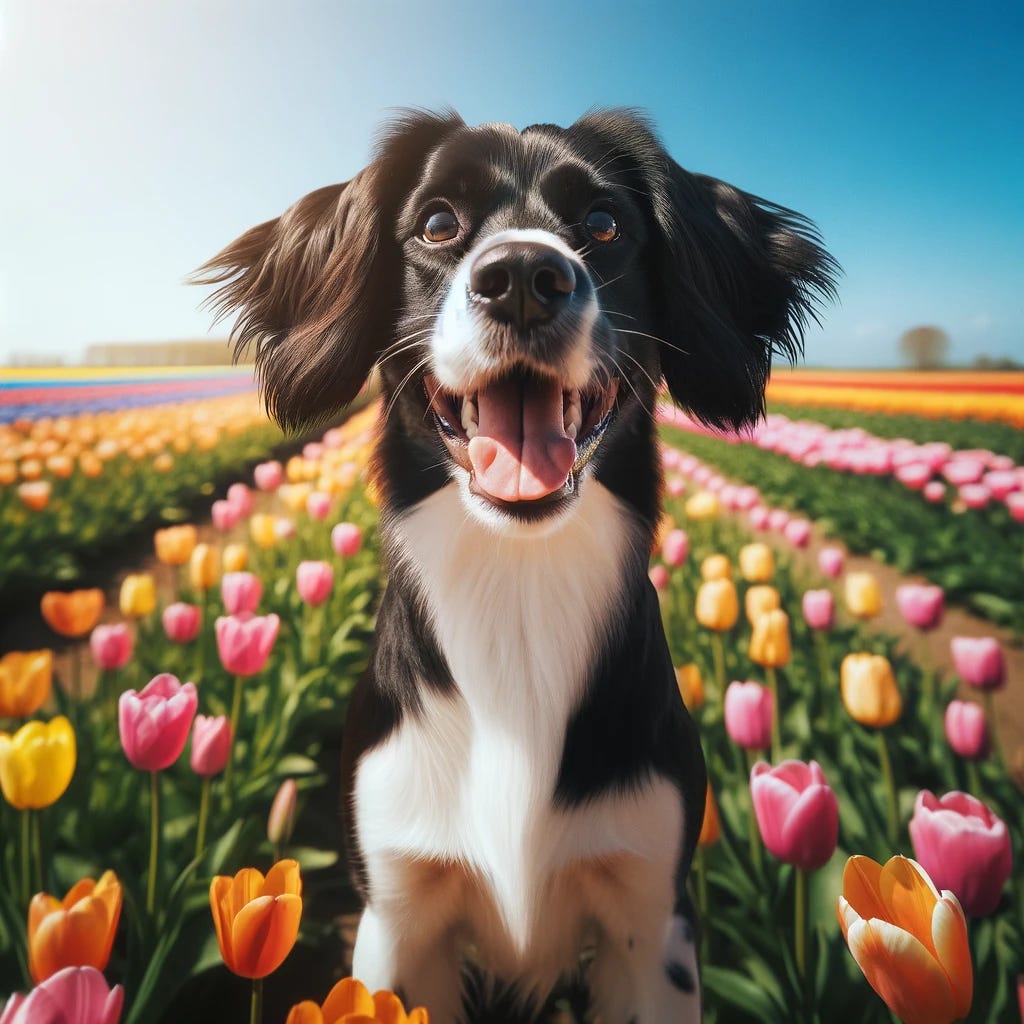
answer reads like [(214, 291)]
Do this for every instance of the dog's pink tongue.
[(521, 451)]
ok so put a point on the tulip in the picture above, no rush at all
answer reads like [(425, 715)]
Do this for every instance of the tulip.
[(778, 519), (175, 544), (759, 600), (242, 498), (964, 847), (909, 939), (35, 494), (921, 606), (975, 495), (675, 548), (281, 820), (75, 995), (797, 532), (769, 641), (225, 516), (211, 744), (831, 561), (934, 491), (757, 563), (758, 517), (691, 686), (245, 641), (112, 646), (350, 1001), (241, 592), (138, 595), (716, 567), (268, 476), (659, 577), (284, 528), (74, 613), (77, 931), (869, 690), (666, 524), (318, 505), (748, 715), (979, 662), (295, 496), (711, 827), (235, 558), (675, 486), (36, 763), (314, 582), (703, 505), (819, 609), (257, 918), (154, 723), (967, 730), (346, 539), (262, 527), (204, 567), (717, 607), (863, 596), (181, 622), (26, 679)]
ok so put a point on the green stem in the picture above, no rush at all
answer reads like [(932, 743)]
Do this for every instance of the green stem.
[(718, 649), (154, 840), (800, 920), (204, 815), (26, 856), (990, 714), (204, 606), (773, 685), (37, 844), (702, 900), (890, 787), (256, 1007), (974, 780), (236, 711), (824, 668), (753, 835)]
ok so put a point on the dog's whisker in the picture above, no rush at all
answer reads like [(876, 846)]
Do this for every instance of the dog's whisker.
[(661, 341)]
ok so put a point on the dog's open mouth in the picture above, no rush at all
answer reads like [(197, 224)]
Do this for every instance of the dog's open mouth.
[(522, 437)]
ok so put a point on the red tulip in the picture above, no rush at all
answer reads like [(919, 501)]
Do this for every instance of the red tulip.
[(748, 715), (154, 723), (967, 730), (920, 605), (314, 581), (181, 622), (75, 995), (346, 539), (830, 562), (819, 608), (675, 548), (979, 661), (211, 745), (964, 847), (797, 812), (240, 592), (112, 646), (268, 476), (245, 641)]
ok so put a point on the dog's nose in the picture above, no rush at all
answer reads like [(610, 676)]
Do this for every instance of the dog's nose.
[(522, 283)]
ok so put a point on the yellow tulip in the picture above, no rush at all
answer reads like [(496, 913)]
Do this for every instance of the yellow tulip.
[(74, 613), (263, 529), (711, 827), (236, 558), (138, 595), (869, 689), (164, 462), (691, 686), (769, 641), (716, 567), (26, 678), (204, 566), (757, 563), (863, 596), (294, 495), (909, 939), (759, 601), (703, 505), (36, 763), (174, 545), (717, 605)]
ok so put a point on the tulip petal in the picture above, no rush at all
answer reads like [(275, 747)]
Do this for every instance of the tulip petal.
[(862, 887), (949, 935), (903, 972), (72, 938), (307, 1012), (908, 893), (283, 878), (388, 1008), (347, 997), (220, 889), (419, 1016), (263, 934)]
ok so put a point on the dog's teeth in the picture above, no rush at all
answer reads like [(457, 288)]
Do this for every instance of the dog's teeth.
[(572, 412), (471, 431), (469, 417), (571, 430)]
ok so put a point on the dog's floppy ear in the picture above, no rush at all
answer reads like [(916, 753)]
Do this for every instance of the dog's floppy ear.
[(738, 277), (316, 290)]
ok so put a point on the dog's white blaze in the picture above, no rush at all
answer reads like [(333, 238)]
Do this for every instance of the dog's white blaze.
[(470, 779), (458, 359)]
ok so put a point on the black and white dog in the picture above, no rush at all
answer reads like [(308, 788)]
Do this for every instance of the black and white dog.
[(523, 779)]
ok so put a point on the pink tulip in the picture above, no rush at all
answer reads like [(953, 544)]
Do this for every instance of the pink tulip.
[(245, 641), (675, 486), (669, 458), (225, 515), (659, 577), (914, 475), (282, 813), (1015, 505), (1001, 482), (284, 528), (975, 495), (241, 497), (702, 474), (675, 548), (979, 661), (967, 730), (777, 519), (920, 605), (758, 517), (181, 622), (314, 581), (831, 562), (240, 592), (934, 491), (154, 723), (819, 608), (112, 646), (748, 715), (746, 498), (959, 471), (211, 745), (268, 476), (334, 438), (346, 539), (797, 532), (74, 995), (797, 812), (964, 847), (318, 505), (313, 451)]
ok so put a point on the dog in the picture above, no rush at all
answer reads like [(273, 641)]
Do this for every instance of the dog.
[(522, 780)]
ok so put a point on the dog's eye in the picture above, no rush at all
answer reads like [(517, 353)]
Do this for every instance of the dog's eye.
[(440, 226), (601, 226)]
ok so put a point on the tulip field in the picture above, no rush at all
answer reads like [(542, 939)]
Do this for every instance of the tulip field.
[(169, 843)]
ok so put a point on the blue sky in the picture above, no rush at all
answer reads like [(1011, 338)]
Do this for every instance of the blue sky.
[(139, 138)]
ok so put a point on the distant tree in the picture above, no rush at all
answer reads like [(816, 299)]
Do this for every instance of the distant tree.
[(925, 348)]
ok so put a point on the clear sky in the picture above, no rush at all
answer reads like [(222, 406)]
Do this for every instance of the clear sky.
[(137, 137)]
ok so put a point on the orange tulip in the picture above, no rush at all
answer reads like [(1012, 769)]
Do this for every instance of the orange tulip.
[(74, 613), (909, 939), (257, 918), (711, 827), (236, 558), (164, 462), (35, 494), (204, 566), (769, 642), (8, 473), (174, 545), (350, 1002), (691, 686), (77, 931), (26, 678), (263, 529), (60, 466), (760, 600), (31, 469), (869, 690), (716, 567), (717, 606)]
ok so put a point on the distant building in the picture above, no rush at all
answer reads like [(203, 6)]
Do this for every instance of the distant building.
[(202, 352)]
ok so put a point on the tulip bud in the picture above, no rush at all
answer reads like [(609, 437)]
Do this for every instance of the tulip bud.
[(797, 532), (675, 548), (760, 600), (757, 563), (225, 516), (74, 613), (758, 517), (181, 622), (711, 827), (769, 641), (174, 545), (934, 491), (870, 693), (318, 505), (37, 762), (979, 661), (921, 606), (112, 646), (691, 686), (138, 595), (241, 497), (235, 558), (748, 715), (659, 577), (314, 581), (154, 722), (967, 730), (863, 596), (346, 539), (241, 592), (204, 567), (819, 609), (716, 567), (778, 519), (66, 997), (245, 641), (282, 814), (703, 505), (831, 561), (262, 527), (211, 745), (717, 605), (268, 475), (26, 681)]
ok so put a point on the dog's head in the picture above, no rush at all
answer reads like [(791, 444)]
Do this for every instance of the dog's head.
[(523, 294)]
